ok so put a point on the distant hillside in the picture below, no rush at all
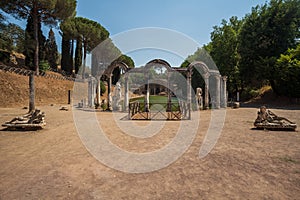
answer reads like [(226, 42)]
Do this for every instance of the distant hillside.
[(269, 98), (13, 59)]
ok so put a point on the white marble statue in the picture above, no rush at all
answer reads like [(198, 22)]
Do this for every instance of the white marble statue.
[(199, 99), (117, 97)]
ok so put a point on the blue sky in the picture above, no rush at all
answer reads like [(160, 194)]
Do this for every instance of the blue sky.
[(193, 18)]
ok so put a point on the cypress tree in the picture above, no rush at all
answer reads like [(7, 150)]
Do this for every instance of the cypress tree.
[(65, 54), (29, 45), (78, 54), (48, 12), (71, 55), (52, 54)]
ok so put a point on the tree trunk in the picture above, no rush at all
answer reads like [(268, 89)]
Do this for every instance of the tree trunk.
[(36, 38), (35, 62), (31, 93), (84, 59), (71, 57)]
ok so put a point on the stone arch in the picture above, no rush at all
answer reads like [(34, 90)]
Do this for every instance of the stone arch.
[(201, 64), (215, 84), (114, 65), (108, 74), (160, 62), (148, 66)]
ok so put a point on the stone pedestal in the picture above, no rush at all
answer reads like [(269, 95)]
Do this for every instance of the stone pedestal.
[(206, 97), (126, 95), (147, 98), (109, 97), (216, 96), (117, 98), (189, 93), (91, 91), (224, 92)]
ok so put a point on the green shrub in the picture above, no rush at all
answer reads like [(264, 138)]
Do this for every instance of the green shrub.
[(4, 56), (104, 106), (97, 105), (44, 66), (103, 88), (249, 93), (287, 73)]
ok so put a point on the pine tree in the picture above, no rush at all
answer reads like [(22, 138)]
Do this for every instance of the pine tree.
[(48, 12), (69, 35), (92, 34), (11, 37)]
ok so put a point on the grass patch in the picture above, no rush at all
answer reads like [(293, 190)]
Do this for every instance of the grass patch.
[(289, 160), (155, 101)]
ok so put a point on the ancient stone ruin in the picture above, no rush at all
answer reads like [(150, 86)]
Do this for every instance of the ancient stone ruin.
[(199, 99), (269, 120), (34, 120), (116, 99)]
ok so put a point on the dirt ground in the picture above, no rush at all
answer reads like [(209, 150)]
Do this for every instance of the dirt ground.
[(245, 164)]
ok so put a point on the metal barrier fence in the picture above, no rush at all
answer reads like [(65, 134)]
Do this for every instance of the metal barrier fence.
[(27, 72), (156, 111)]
